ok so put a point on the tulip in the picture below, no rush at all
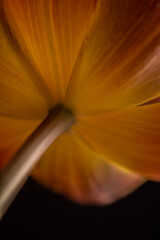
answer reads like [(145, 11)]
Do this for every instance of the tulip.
[(101, 60)]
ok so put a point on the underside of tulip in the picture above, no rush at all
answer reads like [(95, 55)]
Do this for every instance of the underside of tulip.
[(100, 59), (60, 121)]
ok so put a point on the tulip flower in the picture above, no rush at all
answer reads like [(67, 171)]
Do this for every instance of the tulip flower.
[(101, 60)]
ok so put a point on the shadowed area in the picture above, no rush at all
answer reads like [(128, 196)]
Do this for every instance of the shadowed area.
[(39, 214)]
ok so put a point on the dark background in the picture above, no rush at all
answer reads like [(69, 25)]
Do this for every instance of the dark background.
[(40, 214)]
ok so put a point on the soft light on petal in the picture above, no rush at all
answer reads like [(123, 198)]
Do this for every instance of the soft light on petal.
[(19, 94), (50, 34), (101, 60), (12, 135), (72, 168), (129, 137), (118, 65)]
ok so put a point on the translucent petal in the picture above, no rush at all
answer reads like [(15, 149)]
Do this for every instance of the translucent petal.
[(118, 65), (13, 133), (19, 95), (70, 167), (50, 34), (129, 137)]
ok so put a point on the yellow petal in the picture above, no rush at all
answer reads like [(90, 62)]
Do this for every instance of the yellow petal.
[(70, 167), (129, 137), (50, 34), (13, 133), (118, 64)]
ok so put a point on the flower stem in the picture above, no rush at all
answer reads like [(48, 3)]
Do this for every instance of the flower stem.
[(17, 171)]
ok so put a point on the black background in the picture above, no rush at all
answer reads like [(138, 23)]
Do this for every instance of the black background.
[(38, 213)]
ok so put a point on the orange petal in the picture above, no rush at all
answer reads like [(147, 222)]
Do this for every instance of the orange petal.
[(50, 34), (72, 168), (118, 65), (13, 133), (20, 94), (129, 137)]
